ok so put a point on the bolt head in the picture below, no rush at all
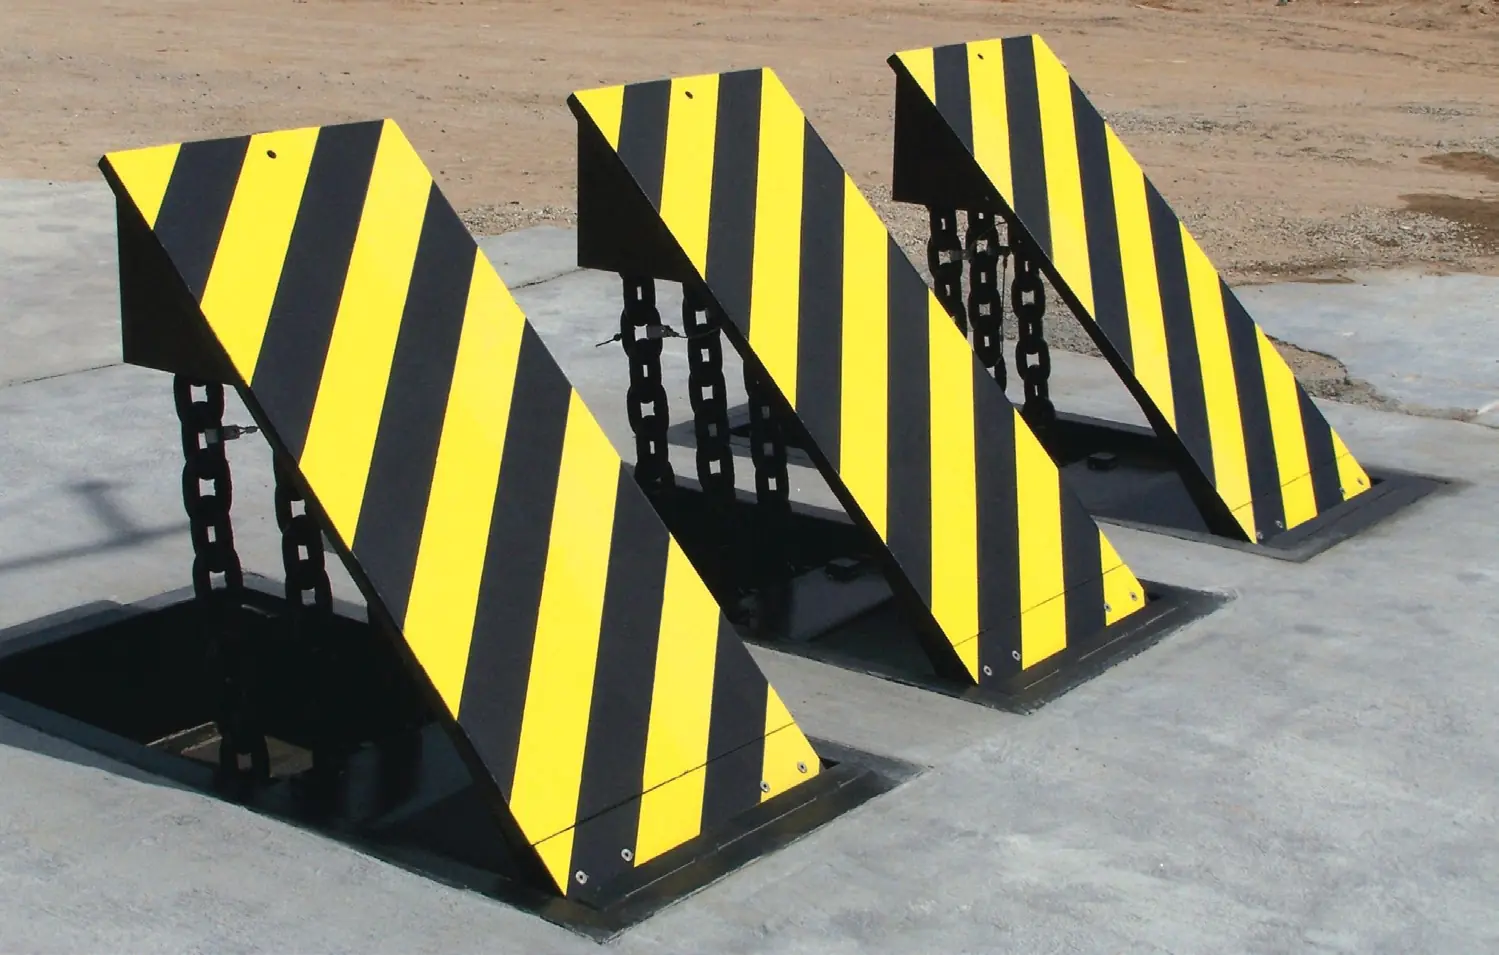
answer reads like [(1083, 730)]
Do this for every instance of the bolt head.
[(1015, 654), (764, 786), (580, 877), (627, 855), (1108, 608), (801, 767), (988, 670)]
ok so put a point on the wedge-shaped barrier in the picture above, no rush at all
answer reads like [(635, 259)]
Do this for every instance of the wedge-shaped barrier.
[(999, 127), (577, 659), (720, 182)]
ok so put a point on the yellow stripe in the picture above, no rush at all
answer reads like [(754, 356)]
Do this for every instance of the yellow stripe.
[(1043, 621), (687, 180), (1284, 401), (247, 267), (1122, 592), (775, 290), (954, 486), (605, 107), (1149, 359), (450, 562), (991, 117), (145, 174), (681, 709), (919, 64), (1225, 426), (786, 749), (559, 693), (1351, 475), (1064, 181), (863, 454), (346, 418)]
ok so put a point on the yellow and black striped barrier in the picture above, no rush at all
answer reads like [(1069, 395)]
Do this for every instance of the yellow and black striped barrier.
[(720, 181), (999, 126), (610, 712)]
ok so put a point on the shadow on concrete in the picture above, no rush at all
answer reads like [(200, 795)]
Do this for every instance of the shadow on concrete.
[(121, 532)]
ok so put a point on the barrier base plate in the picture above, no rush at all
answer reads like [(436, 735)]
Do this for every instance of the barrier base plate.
[(133, 683)]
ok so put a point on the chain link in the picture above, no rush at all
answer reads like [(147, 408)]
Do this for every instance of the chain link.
[(641, 332), (701, 325), (944, 259), (1032, 357), (986, 252)]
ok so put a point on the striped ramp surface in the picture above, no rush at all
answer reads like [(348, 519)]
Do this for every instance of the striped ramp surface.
[(1202, 368), (915, 438), (580, 657)]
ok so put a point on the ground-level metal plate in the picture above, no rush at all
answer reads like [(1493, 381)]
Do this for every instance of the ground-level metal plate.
[(1124, 476)]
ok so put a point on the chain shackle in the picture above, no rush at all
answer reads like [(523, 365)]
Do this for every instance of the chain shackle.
[(216, 567), (1032, 357), (986, 293), (640, 332), (944, 259), (701, 324)]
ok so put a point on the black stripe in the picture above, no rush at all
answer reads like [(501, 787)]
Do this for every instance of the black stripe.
[(1027, 159), (300, 326), (1322, 455), (416, 397), (908, 503), (642, 135), (737, 721), (515, 560), (819, 353), (1254, 416), (1110, 306), (998, 509), (196, 206), (744, 763), (1082, 571), (950, 78), (732, 785), (1181, 333), (619, 717), (731, 216)]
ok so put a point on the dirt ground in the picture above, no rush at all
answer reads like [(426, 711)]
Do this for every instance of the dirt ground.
[(1298, 138)]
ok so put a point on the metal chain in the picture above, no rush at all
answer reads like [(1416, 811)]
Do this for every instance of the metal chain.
[(641, 331), (307, 588), (202, 423), (773, 496), (203, 437), (701, 325), (767, 447), (1032, 358), (985, 293), (944, 259)]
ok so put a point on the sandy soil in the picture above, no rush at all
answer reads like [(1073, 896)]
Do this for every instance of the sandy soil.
[(1299, 138)]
